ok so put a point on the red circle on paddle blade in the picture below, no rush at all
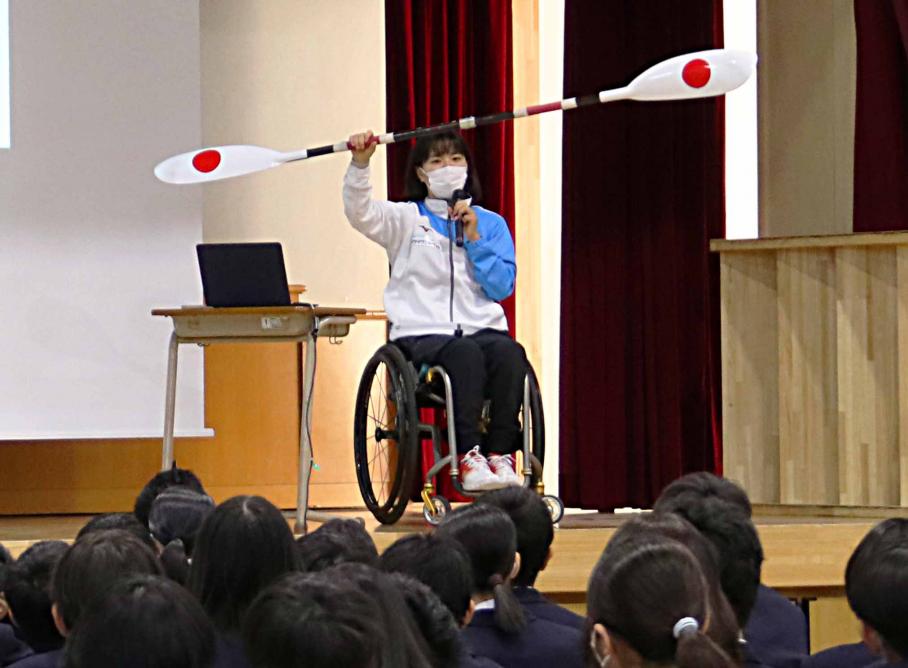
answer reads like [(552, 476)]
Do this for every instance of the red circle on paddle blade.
[(696, 73), (206, 161)]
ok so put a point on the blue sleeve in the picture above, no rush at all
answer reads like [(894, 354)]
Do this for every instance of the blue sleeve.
[(492, 255)]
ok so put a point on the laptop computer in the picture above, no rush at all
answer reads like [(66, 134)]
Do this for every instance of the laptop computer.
[(246, 274)]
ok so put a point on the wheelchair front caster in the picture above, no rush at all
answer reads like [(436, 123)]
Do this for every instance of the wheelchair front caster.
[(555, 506), (439, 509)]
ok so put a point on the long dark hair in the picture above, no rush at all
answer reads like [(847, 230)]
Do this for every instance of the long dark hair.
[(242, 547), (449, 141), (642, 594), (436, 624), (490, 539), (654, 528), (408, 649)]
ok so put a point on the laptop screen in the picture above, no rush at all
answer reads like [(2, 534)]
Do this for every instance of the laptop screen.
[(247, 274)]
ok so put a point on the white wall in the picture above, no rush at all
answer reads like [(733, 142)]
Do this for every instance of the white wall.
[(90, 241), (288, 74), (4, 74), (807, 78)]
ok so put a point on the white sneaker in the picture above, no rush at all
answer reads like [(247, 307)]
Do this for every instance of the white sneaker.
[(503, 467), (475, 474)]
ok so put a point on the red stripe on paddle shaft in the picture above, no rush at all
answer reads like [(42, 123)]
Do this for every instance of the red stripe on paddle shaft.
[(542, 108), (372, 140)]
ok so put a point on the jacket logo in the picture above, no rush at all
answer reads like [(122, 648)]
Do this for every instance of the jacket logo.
[(423, 241)]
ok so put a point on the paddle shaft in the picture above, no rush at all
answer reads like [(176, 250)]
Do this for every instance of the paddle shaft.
[(467, 123)]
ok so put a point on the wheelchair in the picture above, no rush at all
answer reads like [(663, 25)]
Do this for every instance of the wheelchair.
[(388, 434)]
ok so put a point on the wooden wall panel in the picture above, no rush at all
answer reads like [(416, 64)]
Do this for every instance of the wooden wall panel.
[(867, 382), (902, 366), (750, 377), (842, 364), (808, 416)]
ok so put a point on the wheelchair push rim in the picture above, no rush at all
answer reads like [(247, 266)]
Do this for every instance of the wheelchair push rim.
[(385, 433)]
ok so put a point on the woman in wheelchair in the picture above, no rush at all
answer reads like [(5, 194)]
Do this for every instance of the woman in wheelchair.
[(442, 297)]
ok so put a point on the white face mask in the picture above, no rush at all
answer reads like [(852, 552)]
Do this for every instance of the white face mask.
[(445, 180)]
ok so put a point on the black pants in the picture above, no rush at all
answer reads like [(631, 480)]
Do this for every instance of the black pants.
[(486, 365)]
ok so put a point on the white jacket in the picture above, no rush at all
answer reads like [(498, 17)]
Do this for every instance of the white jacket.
[(417, 297)]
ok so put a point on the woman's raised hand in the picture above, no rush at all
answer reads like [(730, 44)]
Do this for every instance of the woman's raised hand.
[(362, 147)]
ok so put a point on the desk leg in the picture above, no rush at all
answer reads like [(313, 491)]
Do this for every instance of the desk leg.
[(305, 471), (170, 402)]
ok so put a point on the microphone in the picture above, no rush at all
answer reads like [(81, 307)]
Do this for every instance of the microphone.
[(457, 196)]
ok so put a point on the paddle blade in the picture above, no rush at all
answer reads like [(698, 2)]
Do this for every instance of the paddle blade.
[(219, 162), (698, 74)]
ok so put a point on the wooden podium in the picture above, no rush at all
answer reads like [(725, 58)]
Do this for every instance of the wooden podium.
[(815, 368)]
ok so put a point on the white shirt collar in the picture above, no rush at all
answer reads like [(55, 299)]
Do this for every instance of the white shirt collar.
[(485, 605)]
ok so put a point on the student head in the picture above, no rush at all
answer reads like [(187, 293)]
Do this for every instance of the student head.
[(125, 521), (447, 149), (656, 528), (734, 536), (313, 620), (703, 484), (177, 513), (90, 566), (336, 542), (27, 591), (242, 547), (143, 621), (172, 477), (489, 538), (440, 563), (876, 584), (409, 649), (533, 522), (649, 605), (437, 626)]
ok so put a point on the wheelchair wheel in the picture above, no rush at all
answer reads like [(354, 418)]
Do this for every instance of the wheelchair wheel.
[(536, 421), (385, 433), (555, 507), (440, 509)]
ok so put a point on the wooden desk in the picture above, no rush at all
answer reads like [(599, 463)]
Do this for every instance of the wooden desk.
[(204, 325)]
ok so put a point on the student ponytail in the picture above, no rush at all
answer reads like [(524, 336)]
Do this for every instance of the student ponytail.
[(695, 649), (490, 541), (508, 612)]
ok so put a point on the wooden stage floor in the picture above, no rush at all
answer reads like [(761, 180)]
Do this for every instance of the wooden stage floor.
[(806, 551)]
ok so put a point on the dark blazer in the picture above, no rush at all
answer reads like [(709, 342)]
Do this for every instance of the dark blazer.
[(777, 629), (534, 602), (844, 656), (468, 660), (541, 644), (229, 652), (52, 659), (11, 648)]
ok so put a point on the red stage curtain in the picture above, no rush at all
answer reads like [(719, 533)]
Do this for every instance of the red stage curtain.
[(643, 195), (881, 110), (447, 59)]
